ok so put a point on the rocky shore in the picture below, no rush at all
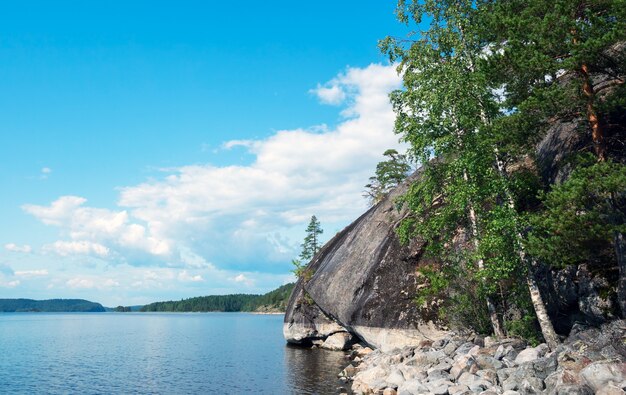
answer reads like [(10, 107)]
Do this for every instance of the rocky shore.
[(590, 361)]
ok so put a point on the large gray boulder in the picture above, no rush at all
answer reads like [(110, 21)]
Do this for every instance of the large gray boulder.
[(365, 280)]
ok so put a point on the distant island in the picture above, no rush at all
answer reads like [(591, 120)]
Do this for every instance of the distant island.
[(123, 309), (271, 302), (50, 306)]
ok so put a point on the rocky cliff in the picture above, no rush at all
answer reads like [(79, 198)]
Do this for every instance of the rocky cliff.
[(363, 282)]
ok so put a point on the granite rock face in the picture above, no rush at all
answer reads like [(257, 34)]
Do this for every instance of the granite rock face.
[(365, 280)]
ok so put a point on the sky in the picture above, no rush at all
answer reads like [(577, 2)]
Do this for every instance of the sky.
[(157, 150)]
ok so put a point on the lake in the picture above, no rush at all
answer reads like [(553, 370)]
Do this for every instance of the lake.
[(158, 353)]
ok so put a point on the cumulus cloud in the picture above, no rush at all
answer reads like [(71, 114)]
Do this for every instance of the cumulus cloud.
[(9, 283), (241, 278), (95, 231), (16, 248), (91, 283), (65, 248), (31, 273), (332, 94), (186, 277), (243, 218)]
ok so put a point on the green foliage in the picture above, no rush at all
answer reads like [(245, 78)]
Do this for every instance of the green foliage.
[(446, 113), (389, 174), (274, 300), (311, 244), (537, 51), (310, 247), (581, 216), (301, 270), (52, 305), (526, 328)]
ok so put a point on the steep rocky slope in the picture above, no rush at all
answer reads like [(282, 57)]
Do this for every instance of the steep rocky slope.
[(364, 281)]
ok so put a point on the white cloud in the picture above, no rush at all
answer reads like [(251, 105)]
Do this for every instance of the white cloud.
[(65, 248), (92, 282), (241, 278), (96, 230), (333, 94), (45, 172), (31, 273), (186, 277), (16, 248), (245, 218), (9, 284)]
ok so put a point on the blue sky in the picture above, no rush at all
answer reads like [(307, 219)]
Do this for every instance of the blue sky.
[(156, 150)]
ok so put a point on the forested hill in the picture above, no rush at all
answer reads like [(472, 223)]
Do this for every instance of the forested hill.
[(274, 301), (51, 306)]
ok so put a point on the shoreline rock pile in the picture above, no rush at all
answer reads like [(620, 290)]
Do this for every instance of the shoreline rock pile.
[(590, 361)]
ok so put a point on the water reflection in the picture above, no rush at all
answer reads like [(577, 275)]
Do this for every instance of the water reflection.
[(314, 370)]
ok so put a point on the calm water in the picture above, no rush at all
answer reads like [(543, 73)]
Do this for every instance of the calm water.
[(196, 353)]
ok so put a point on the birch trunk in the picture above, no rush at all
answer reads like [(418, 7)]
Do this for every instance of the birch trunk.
[(620, 252), (547, 329), (491, 307)]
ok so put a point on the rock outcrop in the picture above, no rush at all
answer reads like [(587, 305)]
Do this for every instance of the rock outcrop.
[(365, 281)]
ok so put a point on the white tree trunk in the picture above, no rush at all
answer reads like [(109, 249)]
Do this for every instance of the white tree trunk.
[(547, 329), (491, 307), (620, 252)]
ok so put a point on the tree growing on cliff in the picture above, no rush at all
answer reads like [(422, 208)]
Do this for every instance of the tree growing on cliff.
[(446, 111), (310, 246), (550, 68), (389, 173), (581, 219)]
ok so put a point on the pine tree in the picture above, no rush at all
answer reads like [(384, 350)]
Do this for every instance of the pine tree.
[(311, 244), (389, 174), (546, 53)]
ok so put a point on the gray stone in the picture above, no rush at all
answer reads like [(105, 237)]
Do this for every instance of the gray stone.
[(439, 387), (531, 385), (437, 374), (527, 355), (510, 392), (451, 347), (457, 389), (395, 377), (412, 387), (611, 390), (464, 348), (488, 375), (441, 366), (338, 341), (603, 373), (479, 386), (390, 391), (488, 362), (462, 364), (507, 352), (490, 341), (504, 374), (565, 381), (545, 366)]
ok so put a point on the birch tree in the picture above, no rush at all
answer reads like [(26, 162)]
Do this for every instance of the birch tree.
[(444, 112)]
